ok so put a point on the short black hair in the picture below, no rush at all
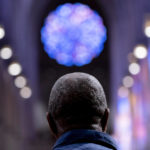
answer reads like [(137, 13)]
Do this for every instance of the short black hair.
[(77, 98)]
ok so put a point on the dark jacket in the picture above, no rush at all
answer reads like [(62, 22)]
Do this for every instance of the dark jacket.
[(85, 140)]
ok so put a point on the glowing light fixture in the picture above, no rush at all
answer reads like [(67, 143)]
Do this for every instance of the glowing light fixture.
[(6, 53), (14, 69), (20, 82), (123, 92), (128, 81), (2, 32), (147, 29), (140, 52), (26, 92), (134, 68), (73, 34)]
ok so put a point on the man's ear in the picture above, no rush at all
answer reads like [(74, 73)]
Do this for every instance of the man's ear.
[(52, 124), (104, 120)]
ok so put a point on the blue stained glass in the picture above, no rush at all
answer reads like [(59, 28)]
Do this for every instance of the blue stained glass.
[(73, 34)]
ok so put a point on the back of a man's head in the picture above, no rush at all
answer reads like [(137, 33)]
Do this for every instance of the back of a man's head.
[(77, 100)]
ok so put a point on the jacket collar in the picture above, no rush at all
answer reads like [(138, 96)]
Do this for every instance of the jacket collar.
[(83, 135)]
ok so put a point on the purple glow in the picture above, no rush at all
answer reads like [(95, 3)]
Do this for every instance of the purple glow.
[(73, 34)]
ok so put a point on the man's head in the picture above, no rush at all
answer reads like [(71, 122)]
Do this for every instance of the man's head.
[(77, 101)]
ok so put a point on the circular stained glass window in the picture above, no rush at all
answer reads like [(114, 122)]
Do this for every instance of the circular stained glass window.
[(73, 34)]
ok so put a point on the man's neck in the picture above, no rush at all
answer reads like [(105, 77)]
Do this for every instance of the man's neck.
[(62, 130)]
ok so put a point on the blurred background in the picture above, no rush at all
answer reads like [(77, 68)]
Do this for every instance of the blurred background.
[(43, 40)]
